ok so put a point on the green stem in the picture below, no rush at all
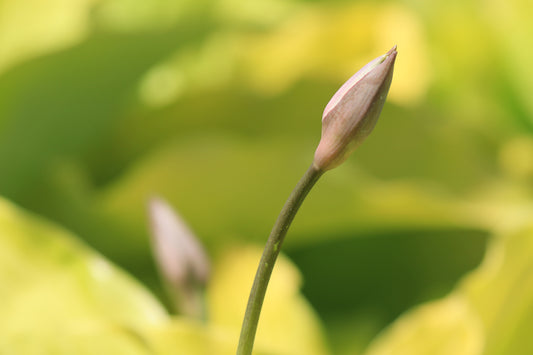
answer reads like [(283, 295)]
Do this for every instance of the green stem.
[(270, 254)]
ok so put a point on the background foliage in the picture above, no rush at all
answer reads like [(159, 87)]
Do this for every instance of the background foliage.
[(216, 105)]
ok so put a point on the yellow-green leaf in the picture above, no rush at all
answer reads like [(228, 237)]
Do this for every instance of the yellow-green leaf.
[(489, 313), (288, 324), (58, 294)]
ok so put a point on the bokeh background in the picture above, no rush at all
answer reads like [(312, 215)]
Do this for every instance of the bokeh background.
[(216, 106)]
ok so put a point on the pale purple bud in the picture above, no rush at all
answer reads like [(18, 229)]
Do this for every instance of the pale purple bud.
[(180, 258), (353, 111)]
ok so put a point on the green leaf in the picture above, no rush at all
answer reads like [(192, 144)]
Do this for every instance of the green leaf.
[(490, 312), (57, 293), (60, 297), (48, 277), (61, 104), (288, 324), (179, 172)]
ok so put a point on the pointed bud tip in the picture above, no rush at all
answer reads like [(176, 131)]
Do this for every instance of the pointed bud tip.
[(353, 111), (391, 53)]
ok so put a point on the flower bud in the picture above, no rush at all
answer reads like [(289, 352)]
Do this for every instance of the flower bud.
[(353, 111), (180, 258)]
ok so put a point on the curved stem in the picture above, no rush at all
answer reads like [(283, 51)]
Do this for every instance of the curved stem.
[(270, 254)]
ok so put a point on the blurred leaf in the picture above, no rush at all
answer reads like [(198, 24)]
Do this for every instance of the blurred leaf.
[(490, 312), (191, 338), (444, 327), (187, 172), (288, 324), (241, 203), (134, 15), (59, 297), (29, 28), (361, 281), (52, 285), (348, 223), (61, 104), (507, 18), (87, 339), (331, 42)]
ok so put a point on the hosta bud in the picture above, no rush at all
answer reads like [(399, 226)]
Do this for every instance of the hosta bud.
[(353, 111), (180, 257)]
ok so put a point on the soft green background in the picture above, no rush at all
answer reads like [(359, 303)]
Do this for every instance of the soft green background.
[(216, 106)]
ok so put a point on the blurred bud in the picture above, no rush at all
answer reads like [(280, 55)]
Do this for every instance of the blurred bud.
[(353, 111), (181, 259)]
